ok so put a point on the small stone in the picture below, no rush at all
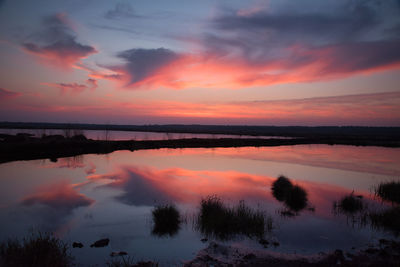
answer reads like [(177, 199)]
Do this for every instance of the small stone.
[(77, 245), (100, 243), (118, 253)]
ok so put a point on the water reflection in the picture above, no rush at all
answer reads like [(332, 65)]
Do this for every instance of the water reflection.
[(62, 197), (113, 196)]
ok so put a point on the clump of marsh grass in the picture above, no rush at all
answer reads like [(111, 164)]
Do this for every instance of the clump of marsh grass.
[(166, 220), (389, 191), (388, 220), (222, 222), (39, 250), (294, 196), (349, 204)]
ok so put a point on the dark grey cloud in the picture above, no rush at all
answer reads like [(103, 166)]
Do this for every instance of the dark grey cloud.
[(121, 10), (349, 36), (57, 42), (361, 56), (302, 25), (142, 63)]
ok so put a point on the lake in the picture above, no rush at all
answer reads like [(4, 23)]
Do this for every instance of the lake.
[(86, 198)]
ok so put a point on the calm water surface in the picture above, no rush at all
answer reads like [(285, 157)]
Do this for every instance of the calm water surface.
[(111, 196)]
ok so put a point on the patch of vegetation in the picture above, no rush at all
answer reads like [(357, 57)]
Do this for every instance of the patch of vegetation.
[(349, 204), (389, 191), (166, 220), (294, 196), (217, 220), (39, 250), (388, 220), (297, 198), (281, 188)]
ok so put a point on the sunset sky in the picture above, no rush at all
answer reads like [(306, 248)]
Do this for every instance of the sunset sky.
[(204, 62)]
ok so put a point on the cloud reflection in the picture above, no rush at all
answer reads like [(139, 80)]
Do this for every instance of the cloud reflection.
[(148, 186), (61, 197)]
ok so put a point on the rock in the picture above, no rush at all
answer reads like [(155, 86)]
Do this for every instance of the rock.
[(100, 243), (118, 253), (77, 245)]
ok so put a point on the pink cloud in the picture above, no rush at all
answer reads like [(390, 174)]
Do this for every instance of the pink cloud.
[(7, 94)]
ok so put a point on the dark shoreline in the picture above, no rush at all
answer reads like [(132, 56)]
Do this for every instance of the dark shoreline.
[(287, 131), (26, 147)]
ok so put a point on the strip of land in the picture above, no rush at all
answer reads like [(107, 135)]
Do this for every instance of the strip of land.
[(27, 147), (288, 131)]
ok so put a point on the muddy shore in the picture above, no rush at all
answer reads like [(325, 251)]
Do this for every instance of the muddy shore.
[(385, 253)]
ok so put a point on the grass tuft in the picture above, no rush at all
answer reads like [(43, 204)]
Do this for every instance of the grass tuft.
[(349, 204), (39, 250), (388, 220), (389, 191), (217, 220), (166, 220)]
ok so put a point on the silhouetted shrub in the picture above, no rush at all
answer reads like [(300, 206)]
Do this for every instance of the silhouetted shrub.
[(166, 220), (297, 198), (389, 191), (294, 196), (217, 220), (281, 188), (40, 250)]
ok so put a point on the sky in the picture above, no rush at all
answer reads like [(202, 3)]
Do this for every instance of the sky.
[(275, 62)]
